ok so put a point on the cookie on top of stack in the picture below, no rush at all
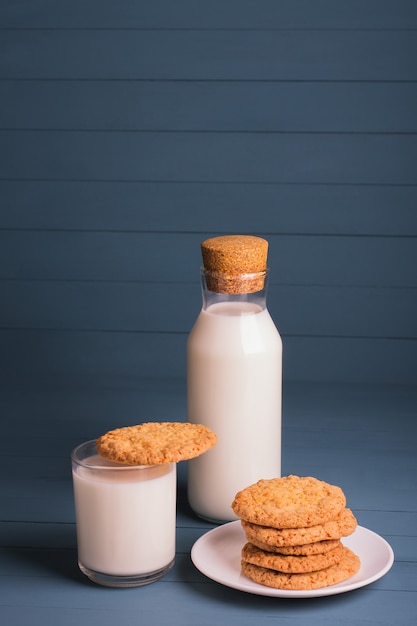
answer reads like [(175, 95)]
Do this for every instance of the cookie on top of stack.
[(293, 527)]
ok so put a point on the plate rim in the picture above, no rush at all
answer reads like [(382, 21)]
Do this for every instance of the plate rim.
[(257, 589)]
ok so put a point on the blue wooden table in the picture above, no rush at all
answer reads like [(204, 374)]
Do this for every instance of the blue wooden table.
[(362, 437), (130, 131)]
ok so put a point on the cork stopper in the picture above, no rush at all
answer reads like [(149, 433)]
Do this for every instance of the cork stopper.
[(235, 264)]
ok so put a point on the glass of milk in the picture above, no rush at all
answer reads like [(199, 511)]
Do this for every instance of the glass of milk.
[(126, 518)]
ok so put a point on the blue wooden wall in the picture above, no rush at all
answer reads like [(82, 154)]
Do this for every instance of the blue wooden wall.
[(132, 130)]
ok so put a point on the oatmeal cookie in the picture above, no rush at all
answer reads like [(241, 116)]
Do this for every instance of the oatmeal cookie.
[(291, 564), (289, 502), (344, 569), (343, 525), (318, 547), (154, 443)]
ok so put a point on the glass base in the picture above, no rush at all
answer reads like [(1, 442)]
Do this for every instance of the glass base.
[(109, 580)]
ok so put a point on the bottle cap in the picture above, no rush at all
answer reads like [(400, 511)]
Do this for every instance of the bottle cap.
[(235, 264)]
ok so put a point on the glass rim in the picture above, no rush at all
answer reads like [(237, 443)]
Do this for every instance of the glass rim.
[(115, 467)]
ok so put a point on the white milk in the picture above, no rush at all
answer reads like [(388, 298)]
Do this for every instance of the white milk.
[(234, 373), (125, 517)]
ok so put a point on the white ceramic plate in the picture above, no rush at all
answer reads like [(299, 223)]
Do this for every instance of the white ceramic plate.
[(217, 555)]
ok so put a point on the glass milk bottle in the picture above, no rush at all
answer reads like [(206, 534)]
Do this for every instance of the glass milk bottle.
[(234, 376)]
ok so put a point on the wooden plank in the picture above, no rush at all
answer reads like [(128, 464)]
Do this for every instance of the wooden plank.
[(63, 355), (355, 421), (175, 257), (158, 307), (210, 157), (249, 14), (64, 552), (60, 357), (197, 207), (61, 536), (217, 604), (348, 360), (383, 55), (58, 543), (341, 210), (80, 410), (40, 498), (209, 106), (50, 601)]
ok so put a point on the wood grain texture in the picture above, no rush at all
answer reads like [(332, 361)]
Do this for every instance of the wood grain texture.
[(152, 307), (131, 131), (198, 105), (197, 14), (35, 356), (349, 434), (213, 157), (366, 261), (209, 54), (272, 209), (129, 136)]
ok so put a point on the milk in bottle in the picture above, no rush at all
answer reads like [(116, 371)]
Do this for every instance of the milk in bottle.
[(234, 373)]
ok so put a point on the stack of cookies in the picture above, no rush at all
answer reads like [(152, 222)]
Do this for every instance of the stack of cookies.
[(293, 527)]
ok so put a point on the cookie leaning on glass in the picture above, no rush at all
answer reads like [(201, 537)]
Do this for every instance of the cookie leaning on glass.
[(293, 526), (154, 443)]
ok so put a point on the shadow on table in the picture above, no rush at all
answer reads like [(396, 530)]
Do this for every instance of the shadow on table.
[(43, 549), (210, 592)]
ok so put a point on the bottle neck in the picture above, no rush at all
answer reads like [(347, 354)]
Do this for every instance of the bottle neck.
[(248, 289)]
